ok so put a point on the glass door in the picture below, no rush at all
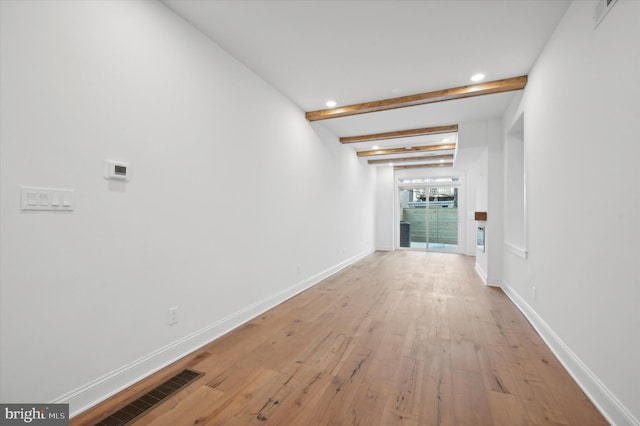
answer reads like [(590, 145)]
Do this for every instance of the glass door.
[(413, 218), (442, 220), (429, 218)]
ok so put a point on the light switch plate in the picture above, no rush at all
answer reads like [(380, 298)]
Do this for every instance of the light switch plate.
[(49, 199)]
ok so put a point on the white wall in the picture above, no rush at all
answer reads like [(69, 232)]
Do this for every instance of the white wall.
[(477, 177), (582, 127), (494, 230), (485, 176), (470, 207), (233, 192), (385, 207)]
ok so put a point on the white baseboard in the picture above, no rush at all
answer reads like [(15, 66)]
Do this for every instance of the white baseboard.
[(386, 248), (491, 282), (481, 272), (92, 393), (610, 407)]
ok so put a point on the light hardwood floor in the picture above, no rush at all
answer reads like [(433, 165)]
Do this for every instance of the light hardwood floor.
[(403, 337)]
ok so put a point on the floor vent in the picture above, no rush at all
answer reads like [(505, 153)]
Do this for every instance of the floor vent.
[(146, 402)]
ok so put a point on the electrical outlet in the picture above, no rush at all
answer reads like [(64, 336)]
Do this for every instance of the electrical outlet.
[(299, 269), (172, 315)]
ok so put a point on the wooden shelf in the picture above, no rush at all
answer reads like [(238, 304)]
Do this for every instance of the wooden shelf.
[(481, 216)]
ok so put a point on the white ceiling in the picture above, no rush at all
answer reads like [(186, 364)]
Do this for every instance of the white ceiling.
[(355, 51)]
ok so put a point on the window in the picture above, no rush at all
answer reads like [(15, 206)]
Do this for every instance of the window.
[(430, 180)]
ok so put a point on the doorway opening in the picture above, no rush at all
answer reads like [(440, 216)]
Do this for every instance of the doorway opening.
[(429, 217)]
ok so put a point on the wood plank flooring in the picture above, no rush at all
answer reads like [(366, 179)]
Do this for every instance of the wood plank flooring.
[(399, 338)]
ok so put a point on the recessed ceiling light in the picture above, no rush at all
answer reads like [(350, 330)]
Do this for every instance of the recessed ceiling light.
[(477, 77), (331, 104), (375, 147)]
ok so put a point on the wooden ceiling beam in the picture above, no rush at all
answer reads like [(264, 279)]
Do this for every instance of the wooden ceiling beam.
[(413, 159), (388, 151), (400, 134), (480, 89), (422, 166)]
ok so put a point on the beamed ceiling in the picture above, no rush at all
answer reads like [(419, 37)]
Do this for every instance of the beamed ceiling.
[(398, 70)]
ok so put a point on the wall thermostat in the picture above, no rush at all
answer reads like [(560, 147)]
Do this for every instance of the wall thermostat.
[(117, 170)]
